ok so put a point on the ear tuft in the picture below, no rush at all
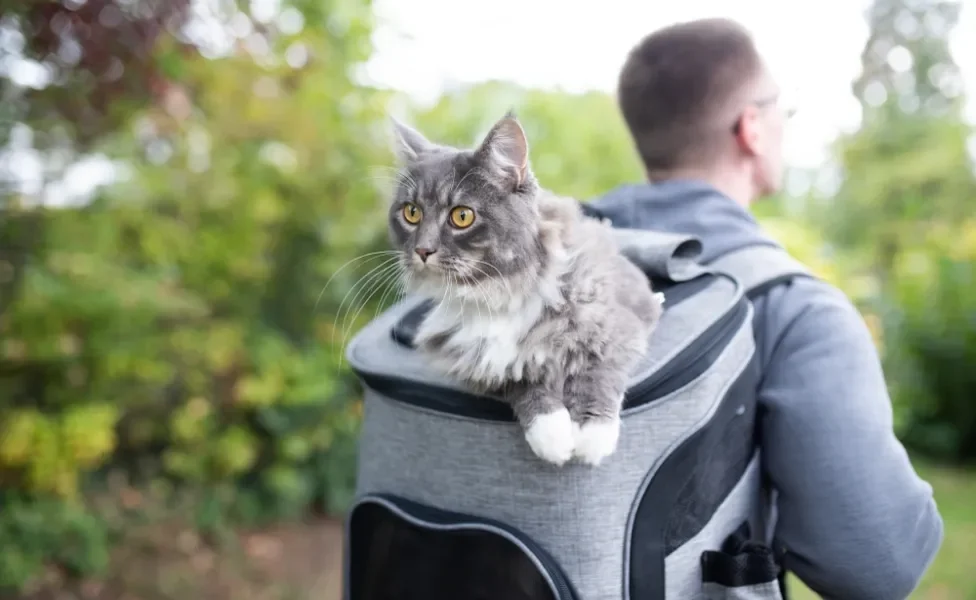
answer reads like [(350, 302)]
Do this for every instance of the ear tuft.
[(505, 150), (409, 144)]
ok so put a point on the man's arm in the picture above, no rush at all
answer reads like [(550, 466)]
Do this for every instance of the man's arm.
[(855, 518)]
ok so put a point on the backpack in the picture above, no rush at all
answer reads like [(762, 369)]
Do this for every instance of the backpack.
[(451, 503)]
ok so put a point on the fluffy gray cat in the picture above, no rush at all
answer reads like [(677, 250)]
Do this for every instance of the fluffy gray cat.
[(532, 299)]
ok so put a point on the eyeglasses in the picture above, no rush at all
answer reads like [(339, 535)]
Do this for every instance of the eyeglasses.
[(761, 103)]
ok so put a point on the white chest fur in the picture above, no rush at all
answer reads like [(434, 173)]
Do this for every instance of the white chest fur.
[(485, 345)]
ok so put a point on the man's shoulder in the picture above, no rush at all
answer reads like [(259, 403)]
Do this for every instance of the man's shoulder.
[(618, 204), (810, 312)]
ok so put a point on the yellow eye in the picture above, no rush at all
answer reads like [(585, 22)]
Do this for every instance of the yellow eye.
[(462, 217), (412, 213)]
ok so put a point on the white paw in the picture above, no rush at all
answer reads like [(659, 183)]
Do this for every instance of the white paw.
[(551, 436), (659, 296), (597, 439)]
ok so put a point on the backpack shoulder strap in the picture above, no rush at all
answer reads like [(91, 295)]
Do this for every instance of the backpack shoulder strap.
[(759, 268)]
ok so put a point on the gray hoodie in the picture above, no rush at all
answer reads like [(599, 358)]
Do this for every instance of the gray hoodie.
[(856, 520)]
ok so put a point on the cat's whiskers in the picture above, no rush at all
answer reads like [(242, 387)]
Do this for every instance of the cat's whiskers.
[(395, 176), (501, 279), (354, 288), (399, 290), (460, 299), (364, 282), (462, 284), (484, 294), (440, 305), (384, 278), (481, 287), (346, 264)]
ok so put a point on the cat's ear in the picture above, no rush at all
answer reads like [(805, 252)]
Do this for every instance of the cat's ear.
[(409, 144), (505, 150)]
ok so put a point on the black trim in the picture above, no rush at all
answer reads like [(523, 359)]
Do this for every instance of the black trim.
[(405, 329), (565, 590), (741, 562), (769, 284), (685, 367), (439, 399), (591, 211), (676, 292), (693, 360), (690, 462)]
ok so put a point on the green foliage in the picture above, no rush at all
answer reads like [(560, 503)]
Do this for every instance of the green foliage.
[(179, 326), (578, 143), (899, 221), (182, 308), (902, 178), (36, 533), (932, 339)]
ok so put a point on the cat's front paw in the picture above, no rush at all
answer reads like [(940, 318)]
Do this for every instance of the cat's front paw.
[(597, 439), (551, 436)]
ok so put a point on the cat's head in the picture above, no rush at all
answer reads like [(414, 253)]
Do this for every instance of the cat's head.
[(465, 217)]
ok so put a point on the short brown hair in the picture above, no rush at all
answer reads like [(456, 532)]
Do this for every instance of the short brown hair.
[(678, 85)]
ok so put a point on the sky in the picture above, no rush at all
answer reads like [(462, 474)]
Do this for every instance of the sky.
[(813, 48), (424, 47)]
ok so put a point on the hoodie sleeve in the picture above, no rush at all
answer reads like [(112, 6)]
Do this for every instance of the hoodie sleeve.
[(856, 520)]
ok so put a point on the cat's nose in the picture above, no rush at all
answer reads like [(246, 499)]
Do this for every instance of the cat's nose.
[(423, 253)]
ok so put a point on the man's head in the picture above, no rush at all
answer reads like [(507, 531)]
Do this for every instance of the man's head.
[(699, 100)]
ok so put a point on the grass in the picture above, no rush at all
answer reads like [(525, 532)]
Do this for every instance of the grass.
[(953, 574)]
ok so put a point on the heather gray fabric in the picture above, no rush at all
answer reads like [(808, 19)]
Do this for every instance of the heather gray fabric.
[(856, 518), (665, 254), (742, 502), (763, 591), (754, 264), (485, 468)]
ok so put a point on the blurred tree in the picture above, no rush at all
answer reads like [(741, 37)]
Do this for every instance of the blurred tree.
[(578, 143), (932, 330), (908, 165), (906, 63), (176, 326), (94, 59), (900, 213), (93, 62)]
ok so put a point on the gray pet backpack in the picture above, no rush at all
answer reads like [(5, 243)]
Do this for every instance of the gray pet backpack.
[(452, 504)]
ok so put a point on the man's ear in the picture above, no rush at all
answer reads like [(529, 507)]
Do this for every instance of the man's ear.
[(409, 144), (505, 150), (749, 132)]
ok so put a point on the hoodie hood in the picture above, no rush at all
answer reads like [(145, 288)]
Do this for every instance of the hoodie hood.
[(687, 207)]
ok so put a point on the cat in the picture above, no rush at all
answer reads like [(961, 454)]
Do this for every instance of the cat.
[(532, 300)]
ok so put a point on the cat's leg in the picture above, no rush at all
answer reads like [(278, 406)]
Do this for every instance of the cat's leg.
[(547, 425), (595, 398)]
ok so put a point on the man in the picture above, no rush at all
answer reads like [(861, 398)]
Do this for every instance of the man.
[(855, 519)]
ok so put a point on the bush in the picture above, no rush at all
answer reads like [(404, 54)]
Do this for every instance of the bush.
[(177, 327), (182, 314), (931, 327), (37, 533)]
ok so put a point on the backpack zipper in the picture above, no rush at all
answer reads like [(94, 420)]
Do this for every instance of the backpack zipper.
[(692, 361)]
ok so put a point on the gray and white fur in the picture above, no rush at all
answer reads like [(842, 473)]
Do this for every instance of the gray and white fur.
[(533, 301)]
